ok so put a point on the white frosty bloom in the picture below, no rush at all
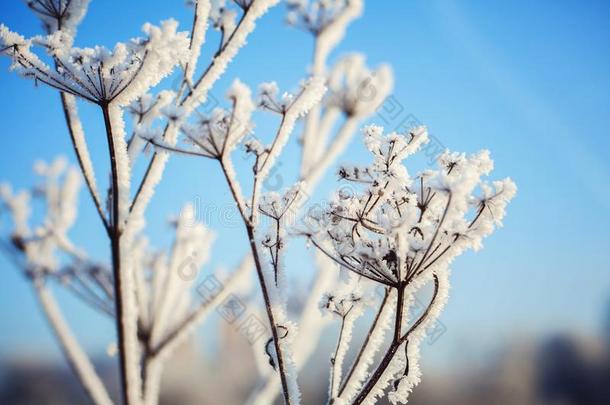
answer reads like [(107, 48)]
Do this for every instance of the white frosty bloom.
[(355, 89), (318, 16), (64, 15), (312, 91), (223, 19), (243, 107), (341, 305), (173, 113), (403, 232), (254, 146), (145, 111), (98, 74), (213, 135), (275, 206), (41, 244), (267, 94)]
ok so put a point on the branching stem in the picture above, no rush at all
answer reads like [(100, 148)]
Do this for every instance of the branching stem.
[(397, 341)]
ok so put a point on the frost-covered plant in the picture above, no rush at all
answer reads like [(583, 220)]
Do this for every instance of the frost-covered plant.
[(45, 254), (215, 137), (115, 79), (402, 232), (397, 233)]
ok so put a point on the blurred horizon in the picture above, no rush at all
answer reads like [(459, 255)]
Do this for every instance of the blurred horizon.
[(527, 80)]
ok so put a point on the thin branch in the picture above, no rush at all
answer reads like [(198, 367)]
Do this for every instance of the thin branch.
[(82, 153), (366, 342), (226, 167), (334, 370), (259, 271), (270, 315), (347, 265), (436, 232), (396, 343), (72, 350), (157, 162)]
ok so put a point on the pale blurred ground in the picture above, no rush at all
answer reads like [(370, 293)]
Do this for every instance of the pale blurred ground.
[(558, 369)]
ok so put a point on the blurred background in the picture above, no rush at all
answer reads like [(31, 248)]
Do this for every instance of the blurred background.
[(528, 321)]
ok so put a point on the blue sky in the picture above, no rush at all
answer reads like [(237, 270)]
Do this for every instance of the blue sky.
[(527, 80)]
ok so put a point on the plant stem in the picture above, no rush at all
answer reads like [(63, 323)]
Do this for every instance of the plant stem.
[(397, 342), (79, 157), (115, 238), (334, 382), (366, 342), (249, 224), (400, 303), (385, 362), (387, 358), (269, 309)]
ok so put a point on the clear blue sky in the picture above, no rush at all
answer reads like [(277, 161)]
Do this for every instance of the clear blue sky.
[(527, 80)]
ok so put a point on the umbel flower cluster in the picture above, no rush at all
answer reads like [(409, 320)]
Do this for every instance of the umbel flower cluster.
[(40, 244), (98, 74), (401, 225), (386, 233), (402, 231)]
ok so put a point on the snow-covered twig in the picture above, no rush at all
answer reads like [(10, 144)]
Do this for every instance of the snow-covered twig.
[(71, 348), (214, 138), (237, 39), (200, 26), (75, 128), (354, 379), (347, 308)]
